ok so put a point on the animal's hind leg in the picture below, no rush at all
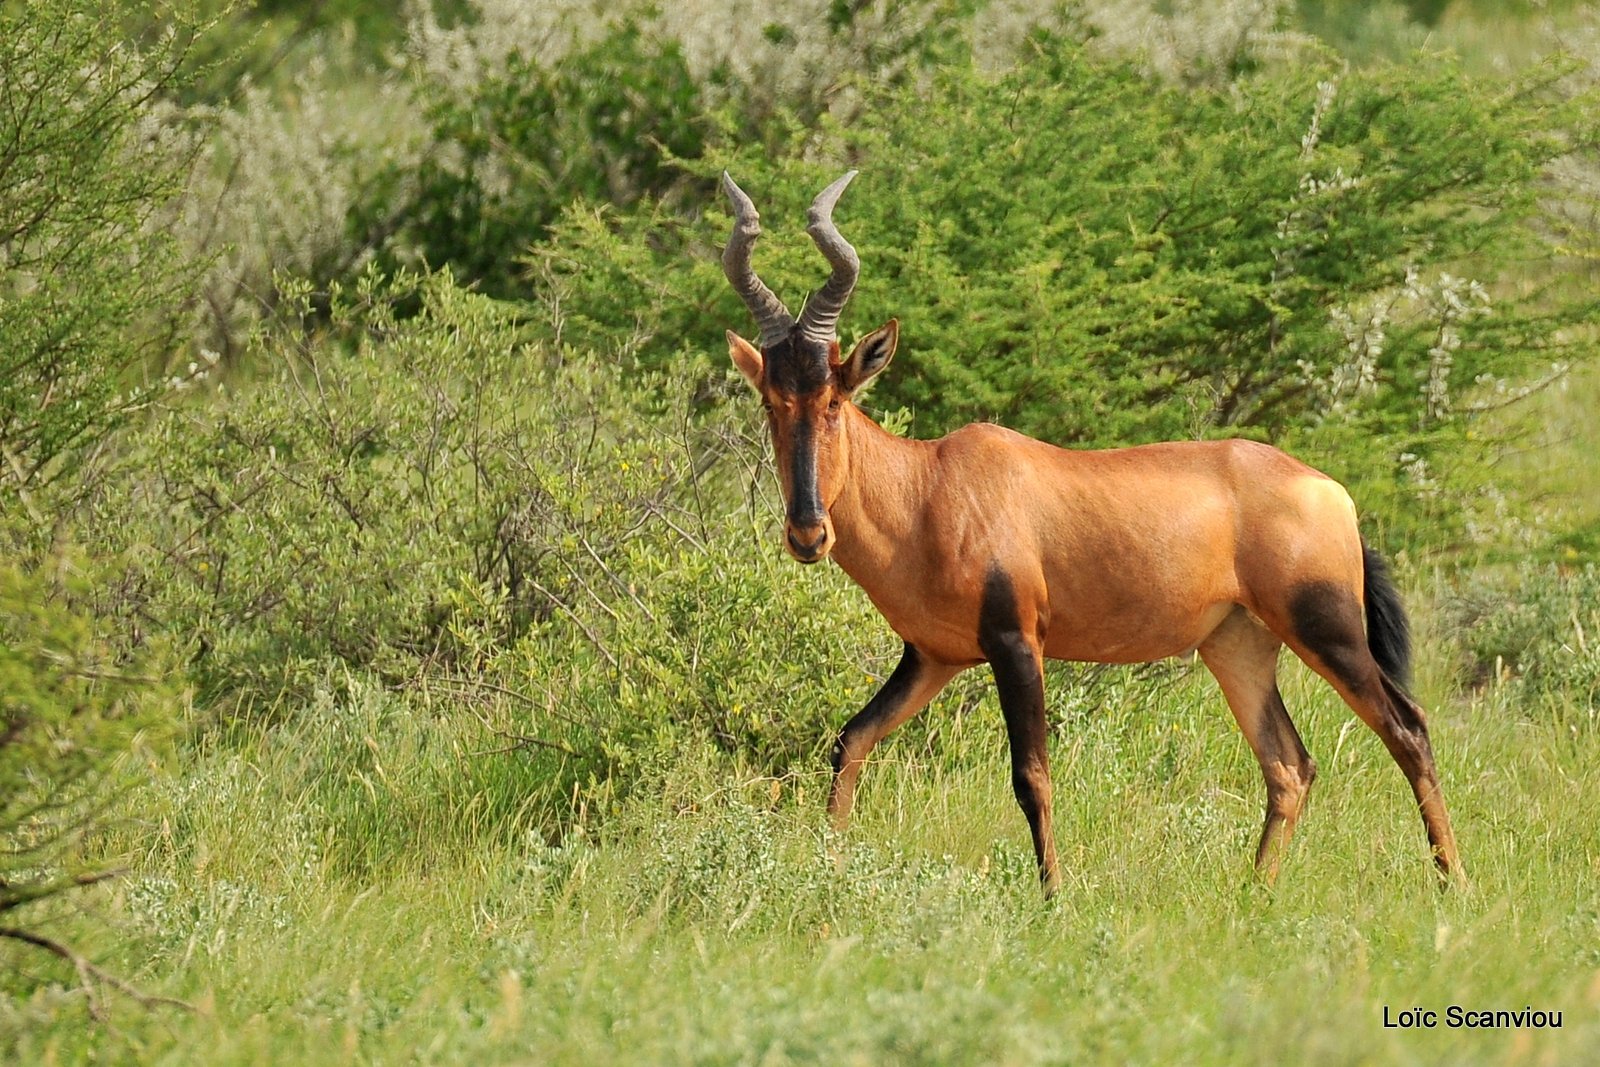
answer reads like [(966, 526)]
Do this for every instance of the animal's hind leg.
[(1243, 655), (1325, 628)]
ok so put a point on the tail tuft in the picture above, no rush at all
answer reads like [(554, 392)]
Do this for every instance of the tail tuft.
[(1388, 629)]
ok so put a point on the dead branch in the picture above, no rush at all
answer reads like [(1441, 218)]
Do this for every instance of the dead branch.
[(89, 974)]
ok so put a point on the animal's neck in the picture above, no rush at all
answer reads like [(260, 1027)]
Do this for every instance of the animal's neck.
[(878, 512)]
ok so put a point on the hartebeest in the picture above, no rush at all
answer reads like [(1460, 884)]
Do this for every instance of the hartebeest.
[(988, 546)]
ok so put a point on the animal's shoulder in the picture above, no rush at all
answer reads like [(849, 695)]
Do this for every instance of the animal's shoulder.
[(983, 438)]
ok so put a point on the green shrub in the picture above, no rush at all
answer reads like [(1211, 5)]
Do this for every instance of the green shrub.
[(1536, 630), (550, 541), (332, 506), (80, 717), (602, 122), (88, 280), (530, 111), (1338, 260)]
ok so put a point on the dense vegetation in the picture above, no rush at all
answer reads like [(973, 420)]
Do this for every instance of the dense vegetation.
[(397, 661)]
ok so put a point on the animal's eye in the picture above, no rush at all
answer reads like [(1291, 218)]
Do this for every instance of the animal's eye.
[(834, 404)]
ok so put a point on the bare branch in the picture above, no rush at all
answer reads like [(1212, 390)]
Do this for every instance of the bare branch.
[(15, 897), (89, 974)]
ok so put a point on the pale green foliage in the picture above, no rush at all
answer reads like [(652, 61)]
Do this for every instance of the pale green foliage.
[(90, 282), (334, 506), (275, 181), (78, 714), (88, 277)]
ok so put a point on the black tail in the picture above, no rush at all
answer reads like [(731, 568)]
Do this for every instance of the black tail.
[(1388, 629)]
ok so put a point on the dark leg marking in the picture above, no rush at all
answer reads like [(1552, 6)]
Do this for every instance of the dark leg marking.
[(866, 722), (1019, 678), (1327, 622), (914, 682)]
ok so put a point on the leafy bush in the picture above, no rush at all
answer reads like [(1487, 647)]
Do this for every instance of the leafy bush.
[(602, 123), (1536, 629), (330, 508), (1308, 255), (87, 280), (276, 189), (553, 544), (79, 713), (532, 109)]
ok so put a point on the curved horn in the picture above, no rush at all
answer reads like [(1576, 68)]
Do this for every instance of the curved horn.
[(771, 316), (819, 319)]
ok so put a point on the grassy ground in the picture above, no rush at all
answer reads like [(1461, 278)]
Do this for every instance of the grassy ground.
[(334, 892)]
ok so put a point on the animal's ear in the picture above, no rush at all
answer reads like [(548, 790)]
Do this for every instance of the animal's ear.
[(871, 354), (747, 358)]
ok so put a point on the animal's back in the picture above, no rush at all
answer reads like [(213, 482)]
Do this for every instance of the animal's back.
[(1190, 527)]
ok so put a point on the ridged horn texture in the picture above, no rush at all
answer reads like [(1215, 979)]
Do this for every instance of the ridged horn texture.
[(819, 319), (772, 317)]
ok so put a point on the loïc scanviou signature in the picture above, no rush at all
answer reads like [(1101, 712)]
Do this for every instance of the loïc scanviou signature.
[(1457, 1017)]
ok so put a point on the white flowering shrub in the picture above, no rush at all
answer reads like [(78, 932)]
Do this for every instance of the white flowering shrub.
[(1193, 40), (277, 188), (799, 54)]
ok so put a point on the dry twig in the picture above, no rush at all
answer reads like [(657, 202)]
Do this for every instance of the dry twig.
[(89, 974)]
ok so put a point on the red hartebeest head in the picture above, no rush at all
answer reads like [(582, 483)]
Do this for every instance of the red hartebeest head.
[(797, 370), (990, 547)]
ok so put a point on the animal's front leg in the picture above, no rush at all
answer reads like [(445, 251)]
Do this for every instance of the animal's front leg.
[(1020, 679), (914, 682), (1016, 653)]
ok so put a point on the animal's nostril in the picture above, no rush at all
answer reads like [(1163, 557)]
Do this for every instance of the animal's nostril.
[(808, 548)]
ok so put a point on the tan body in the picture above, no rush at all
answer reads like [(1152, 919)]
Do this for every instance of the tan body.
[(1126, 556), (990, 547)]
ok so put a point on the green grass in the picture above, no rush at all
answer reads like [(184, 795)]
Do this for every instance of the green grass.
[(320, 906)]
